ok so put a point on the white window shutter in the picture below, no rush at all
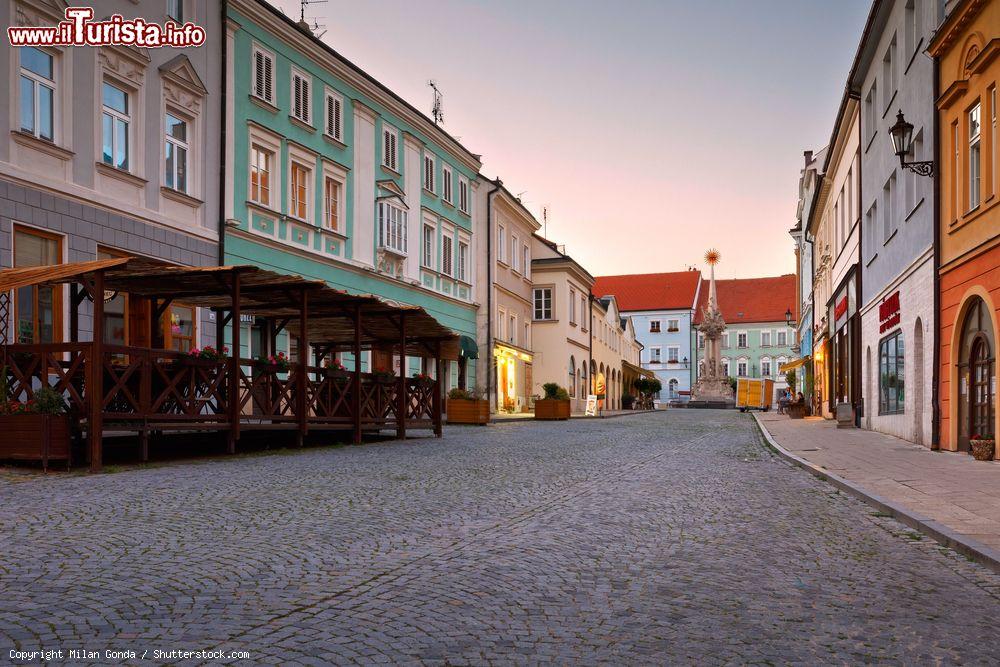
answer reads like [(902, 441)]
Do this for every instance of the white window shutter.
[(305, 100), (268, 93), (297, 96)]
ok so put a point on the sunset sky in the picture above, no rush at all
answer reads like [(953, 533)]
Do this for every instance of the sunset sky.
[(651, 130)]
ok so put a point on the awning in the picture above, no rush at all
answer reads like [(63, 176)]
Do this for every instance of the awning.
[(468, 347), (784, 368)]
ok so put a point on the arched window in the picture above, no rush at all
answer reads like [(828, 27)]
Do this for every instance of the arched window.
[(765, 367), (571, 387), (741, 367), (583, 381), (672, 388)]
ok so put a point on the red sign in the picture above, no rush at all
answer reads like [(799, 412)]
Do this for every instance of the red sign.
[(840, 309), (888, 313)]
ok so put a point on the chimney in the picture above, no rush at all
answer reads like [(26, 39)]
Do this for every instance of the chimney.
[(809, 157)]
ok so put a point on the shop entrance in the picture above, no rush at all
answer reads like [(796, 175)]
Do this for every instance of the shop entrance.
[(976, 373)]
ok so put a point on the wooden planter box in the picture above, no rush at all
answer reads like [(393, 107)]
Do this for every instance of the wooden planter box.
[(796, 410), (464, 411), (337, 373), (33, 437), (551, 408)]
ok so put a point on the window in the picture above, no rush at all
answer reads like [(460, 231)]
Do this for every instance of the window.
[(115, 310), (741, 339), (673, 325), (331, 203), (37, 92), (673, 354), (782, 338), (888, 208), (913, 26), (571, 385), (672, 388), (891, 395), (446, 183), (175, 10), (765, 339), (182, 329), (260, 175), (463, 195), (543, 303), (572, 306), (515, 254), (501, 243), (975, 167), (741, 368), (725, 339), (526, 259), (501, 321), (299, 192), (512, 329), (526, 342), (655, 355), (447, 254), (391, 227), (176, 153), (263, 75), (429, 173), (889, 75), (871, 115), (300, 96), (583, 310), (725, 367), (654, 326), (701, 341), (765, 367), (334, 126), (871, 223), (115, 120), (37, 308), (389, 142), (463, 262), (427, 249), (911, 185), (993, 114)]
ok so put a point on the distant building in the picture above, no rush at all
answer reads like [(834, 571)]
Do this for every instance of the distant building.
[(760, 315), (661, 306)]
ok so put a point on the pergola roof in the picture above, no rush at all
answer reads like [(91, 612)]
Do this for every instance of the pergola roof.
[(330, 319)]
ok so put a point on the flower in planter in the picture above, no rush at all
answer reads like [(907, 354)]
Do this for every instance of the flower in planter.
[(208, 353), (333, 364), (46, 401), (423, 378), (279, 361), (384, 374)]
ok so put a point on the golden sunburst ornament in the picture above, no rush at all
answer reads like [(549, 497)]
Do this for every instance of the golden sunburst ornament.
[(712, 257)]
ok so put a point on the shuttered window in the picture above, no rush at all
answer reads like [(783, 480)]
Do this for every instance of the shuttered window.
[(300, 97), (334, 116), (447, 254), (389, 148), (429, 173), (446, 183), (463, 195), (263, 75)]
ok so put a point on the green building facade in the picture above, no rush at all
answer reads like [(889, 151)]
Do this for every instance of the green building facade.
[(332, 176)]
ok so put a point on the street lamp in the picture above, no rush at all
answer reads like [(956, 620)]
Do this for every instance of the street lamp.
[(902, 135), (788, 317)]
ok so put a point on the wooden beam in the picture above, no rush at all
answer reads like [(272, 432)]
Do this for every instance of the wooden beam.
[(234, 366), (401, 400), (303, 365), (75, 297), (356, 397), (95, 380), (438, 389)]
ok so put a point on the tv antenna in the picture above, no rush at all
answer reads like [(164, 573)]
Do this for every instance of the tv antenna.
[(437, 110), (302, 14), (545, 221)]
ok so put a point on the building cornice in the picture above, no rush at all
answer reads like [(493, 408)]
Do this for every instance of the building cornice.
[(962, 14)]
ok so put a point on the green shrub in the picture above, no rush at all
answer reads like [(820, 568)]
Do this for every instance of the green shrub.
[(554, 391), (48, 401)]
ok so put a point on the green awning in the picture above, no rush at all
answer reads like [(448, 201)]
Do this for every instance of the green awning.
[(468, 346)]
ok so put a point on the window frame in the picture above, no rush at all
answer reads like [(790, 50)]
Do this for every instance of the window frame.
[(975, 147), (38, 80), (294, 202), (462, 265), (427, 245), (57, 290), (897, 404), (117, 117), (178, 145), (448, 252), (390, 230), (259, 56), (655, 326), (337, 116), (305, 92), (658, 357), (539, 297), (447, 183), (463, 194), (430, 170), (390, 147), (335, 210), (253, 191)]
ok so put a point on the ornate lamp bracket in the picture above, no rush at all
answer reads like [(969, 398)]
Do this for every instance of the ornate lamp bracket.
[(919, 168)]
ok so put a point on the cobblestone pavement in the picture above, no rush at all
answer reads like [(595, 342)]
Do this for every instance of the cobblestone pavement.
[(668, 537)]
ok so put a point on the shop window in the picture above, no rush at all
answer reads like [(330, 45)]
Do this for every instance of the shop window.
[(891, 375), (181, 328), (37, 308)]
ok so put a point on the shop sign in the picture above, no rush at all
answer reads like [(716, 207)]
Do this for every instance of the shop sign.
[(840, 313), (888, 313), (591, 410)]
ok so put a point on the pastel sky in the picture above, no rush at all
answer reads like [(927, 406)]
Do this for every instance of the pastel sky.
[(650, 129)]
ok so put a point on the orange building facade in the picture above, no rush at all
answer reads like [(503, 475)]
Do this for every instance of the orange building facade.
[(967, 49)]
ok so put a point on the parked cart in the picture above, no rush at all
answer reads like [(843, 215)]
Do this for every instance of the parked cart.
[(754, 394)]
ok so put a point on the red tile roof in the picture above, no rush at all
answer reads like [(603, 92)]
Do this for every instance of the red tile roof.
[(650, 291), (752, 299)]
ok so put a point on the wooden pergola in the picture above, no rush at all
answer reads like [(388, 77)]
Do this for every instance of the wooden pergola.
[(148, 389)]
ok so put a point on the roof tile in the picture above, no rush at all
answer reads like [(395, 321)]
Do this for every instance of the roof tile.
[(650, 291)]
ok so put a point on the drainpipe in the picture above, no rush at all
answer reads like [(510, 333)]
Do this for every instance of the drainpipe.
[(935, 318), (490, 364), (222, 142), (590, 343)]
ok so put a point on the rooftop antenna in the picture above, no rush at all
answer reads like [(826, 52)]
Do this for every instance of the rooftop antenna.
[(316, 26), (437, 110), (302, 13), (545, 221)]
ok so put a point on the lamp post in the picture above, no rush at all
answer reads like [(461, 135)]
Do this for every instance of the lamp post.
[(788, 317), (902, 135)]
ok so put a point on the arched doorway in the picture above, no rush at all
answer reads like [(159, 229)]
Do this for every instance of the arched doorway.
[(976, 369), (918, 382)]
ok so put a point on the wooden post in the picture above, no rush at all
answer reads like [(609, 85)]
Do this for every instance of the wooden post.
[(438, 388), (301, 405), (95, 377), (356, 398), (74, 313), (234, 366), (402, 401)]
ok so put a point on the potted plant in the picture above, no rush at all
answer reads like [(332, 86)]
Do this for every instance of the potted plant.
[(982, 448), (423, 379), (204, 356), (383, 375), (555, 403), (628, 401), (467, 407), (37, 429), (334, 369), (278, 363)]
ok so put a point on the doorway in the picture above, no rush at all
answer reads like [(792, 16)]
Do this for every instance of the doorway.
[(976, 369)]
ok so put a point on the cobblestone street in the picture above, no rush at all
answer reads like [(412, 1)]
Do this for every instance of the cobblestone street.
[(674, 536)]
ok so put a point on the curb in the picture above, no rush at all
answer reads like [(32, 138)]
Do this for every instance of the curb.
[(630, 413), (968, 547)]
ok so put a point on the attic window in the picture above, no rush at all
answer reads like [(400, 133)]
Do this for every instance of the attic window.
[(739, 314)]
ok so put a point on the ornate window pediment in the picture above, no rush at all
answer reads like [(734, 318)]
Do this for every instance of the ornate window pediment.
[(126, 62), (181, 84)]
